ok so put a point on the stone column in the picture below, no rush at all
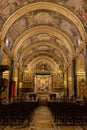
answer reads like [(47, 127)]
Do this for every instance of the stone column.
[(11, 78), (0, 70), (18, 82), (74, 77), (0, 83), (0, 54), (85, 58), (67, 83)]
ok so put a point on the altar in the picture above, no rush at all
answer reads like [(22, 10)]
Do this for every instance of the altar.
[(42, 83), (43, 96), (43, 86)]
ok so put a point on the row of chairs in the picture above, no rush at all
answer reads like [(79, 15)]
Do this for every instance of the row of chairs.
[(67, 113), (17, 113)]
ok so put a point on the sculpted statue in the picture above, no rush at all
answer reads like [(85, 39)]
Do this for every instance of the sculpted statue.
[(82, 88)]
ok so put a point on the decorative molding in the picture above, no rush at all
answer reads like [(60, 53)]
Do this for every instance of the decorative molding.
[(43, 5)]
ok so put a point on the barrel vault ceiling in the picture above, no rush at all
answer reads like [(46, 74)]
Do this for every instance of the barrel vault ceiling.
[(47, 31)]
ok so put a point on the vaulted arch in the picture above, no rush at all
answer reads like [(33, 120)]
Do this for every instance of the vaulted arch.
[(43, 5), (42, 29)]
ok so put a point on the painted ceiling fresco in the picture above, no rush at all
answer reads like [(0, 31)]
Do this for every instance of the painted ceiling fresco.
[(7, 7), (41, 17), (41, 31), (42, 67)]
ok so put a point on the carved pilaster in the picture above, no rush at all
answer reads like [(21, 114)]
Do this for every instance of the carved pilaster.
[(74, 77), (18, 81), (0, 54), (11, 78), (85, 58), (67, 83)]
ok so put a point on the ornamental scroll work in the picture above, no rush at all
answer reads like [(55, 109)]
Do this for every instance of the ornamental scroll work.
[(82, 88)]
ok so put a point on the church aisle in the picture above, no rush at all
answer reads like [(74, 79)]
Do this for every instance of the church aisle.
[(43, 120)]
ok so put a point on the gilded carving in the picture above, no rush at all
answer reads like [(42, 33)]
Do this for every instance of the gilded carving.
[(82, 88)]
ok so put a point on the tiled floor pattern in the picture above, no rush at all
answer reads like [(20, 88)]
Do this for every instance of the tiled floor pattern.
[(43, 121)]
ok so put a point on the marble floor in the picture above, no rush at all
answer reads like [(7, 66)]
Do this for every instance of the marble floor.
[(43, 120)]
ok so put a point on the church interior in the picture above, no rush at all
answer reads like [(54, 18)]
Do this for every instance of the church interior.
[(43, 64)]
